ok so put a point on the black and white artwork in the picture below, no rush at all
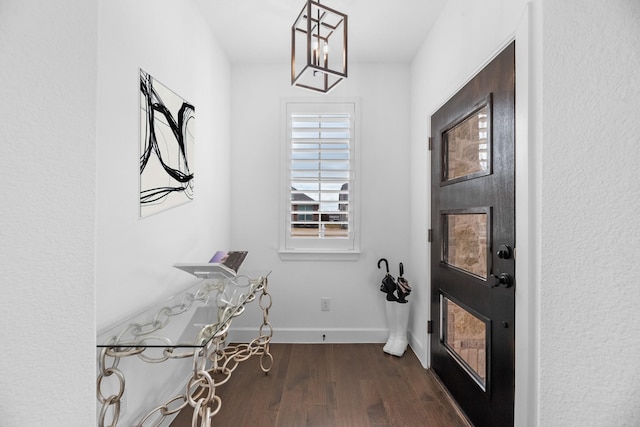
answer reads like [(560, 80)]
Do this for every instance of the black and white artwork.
[(166, 147)]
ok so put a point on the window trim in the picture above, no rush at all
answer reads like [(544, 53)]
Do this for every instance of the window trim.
[(325, 249)]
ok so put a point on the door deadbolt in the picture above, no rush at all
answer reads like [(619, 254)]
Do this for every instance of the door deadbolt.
[(504, 252)]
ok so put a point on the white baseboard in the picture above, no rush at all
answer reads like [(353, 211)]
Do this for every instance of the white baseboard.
[(419, 349), (330, 336), (314, 335)]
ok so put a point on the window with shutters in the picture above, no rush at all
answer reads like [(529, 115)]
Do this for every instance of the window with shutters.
[(320, 210)]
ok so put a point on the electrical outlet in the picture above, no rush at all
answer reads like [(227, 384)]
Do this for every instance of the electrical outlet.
[(325, 304)]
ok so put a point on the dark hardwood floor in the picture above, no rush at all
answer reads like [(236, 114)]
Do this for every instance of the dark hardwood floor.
[(325, 385)]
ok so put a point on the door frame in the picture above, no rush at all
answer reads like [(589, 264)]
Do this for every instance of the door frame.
[(528, 170), (528, 166)]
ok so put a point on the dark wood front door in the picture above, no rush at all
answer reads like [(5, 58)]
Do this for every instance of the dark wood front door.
[(472, 252)]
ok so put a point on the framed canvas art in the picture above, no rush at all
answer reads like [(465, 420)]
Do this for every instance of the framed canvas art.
[(166, 147)]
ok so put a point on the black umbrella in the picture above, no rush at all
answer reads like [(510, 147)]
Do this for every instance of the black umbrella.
[(403, 286), (388, 285)]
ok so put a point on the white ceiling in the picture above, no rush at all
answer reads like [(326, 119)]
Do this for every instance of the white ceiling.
[(259, 31)]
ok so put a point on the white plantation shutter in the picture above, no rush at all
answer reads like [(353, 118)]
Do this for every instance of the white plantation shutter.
[(320, 171)]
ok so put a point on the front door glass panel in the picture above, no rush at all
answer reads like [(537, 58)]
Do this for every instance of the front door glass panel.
[(465, 336), (467, 147), (465, 242)]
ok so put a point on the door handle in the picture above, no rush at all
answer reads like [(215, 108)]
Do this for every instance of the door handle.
[(502, 279)]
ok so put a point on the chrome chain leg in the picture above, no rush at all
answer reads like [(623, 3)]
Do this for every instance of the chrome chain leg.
[(266, 330), (200, 392)]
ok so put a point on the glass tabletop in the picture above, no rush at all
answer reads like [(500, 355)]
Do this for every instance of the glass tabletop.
[(190, 318)]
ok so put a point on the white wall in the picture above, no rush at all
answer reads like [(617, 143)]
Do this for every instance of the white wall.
[(169, 40), (466, 35), (589, 284), (357, 305), (134, 257), (582, 65), (47, 168)]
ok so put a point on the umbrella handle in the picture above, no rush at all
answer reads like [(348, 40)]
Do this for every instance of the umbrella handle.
[(401, 270), (385, 262)]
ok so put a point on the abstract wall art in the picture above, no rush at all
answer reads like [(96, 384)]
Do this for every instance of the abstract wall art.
[(166, 147)]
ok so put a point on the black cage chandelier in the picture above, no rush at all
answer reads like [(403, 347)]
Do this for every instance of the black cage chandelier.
[(319, 44)]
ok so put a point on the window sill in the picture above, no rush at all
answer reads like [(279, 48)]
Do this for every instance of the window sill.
[(318, 255)]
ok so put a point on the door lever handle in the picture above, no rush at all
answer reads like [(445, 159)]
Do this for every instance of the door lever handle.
[(502, 279)]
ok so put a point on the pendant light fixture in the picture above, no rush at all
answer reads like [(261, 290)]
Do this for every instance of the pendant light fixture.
[(318, 48)]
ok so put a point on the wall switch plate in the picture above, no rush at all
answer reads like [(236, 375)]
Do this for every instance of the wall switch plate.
[(325, 304)]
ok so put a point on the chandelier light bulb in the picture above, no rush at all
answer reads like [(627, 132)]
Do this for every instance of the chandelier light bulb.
[(316, 53), (325, 50)]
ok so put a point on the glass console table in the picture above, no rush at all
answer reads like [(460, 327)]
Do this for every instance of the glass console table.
[(191, 324)]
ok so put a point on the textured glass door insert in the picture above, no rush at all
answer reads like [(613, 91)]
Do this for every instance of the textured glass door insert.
[(465, 335), (467, 152), (465, 242)]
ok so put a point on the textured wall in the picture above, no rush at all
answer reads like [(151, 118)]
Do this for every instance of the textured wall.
[(169, 40), (47, 212), (465, 36), (134, 257), (584, 63), (357, 305), (590, 286)]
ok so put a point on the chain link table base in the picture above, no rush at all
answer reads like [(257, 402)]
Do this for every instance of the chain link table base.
[(200, 391)]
